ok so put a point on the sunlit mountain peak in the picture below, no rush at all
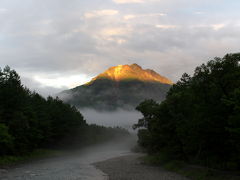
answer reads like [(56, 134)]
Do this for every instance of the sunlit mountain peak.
[(131, 72)]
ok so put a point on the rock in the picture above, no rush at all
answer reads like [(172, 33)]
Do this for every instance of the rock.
[(3, 171)]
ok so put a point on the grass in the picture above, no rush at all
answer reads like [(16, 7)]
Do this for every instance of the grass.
[(191, 171), (6, 161)]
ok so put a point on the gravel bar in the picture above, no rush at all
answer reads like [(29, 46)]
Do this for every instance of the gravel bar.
[(129, 167)]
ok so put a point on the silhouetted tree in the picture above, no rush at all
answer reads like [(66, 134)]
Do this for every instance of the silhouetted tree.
[(29, 121), (200, 119)]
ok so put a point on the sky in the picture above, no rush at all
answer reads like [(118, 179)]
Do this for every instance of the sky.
[(59, 44)]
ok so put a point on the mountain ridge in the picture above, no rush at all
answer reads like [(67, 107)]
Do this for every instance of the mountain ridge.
[(119, 87), (133, 71)]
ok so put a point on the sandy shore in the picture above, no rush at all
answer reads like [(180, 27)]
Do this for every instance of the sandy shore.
[(130, 168)]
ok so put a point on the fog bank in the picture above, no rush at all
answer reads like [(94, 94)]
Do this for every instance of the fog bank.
[(120, 118)]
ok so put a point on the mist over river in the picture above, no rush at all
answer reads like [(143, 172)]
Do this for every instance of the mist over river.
[(120, 118), (76, 165)]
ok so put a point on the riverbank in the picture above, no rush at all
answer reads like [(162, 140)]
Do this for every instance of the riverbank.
[(139, 166), (8, 161), (194, 172), (130, 167)]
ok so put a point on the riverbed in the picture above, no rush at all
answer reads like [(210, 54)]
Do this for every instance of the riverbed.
[(76, 165)]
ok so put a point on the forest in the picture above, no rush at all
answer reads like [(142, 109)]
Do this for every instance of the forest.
[(28, 121), (199, 121)]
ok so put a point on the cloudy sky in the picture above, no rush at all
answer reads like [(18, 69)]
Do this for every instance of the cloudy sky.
[(59, 44)]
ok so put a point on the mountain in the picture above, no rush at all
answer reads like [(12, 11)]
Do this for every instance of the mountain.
[(133, 72), (122, 86)]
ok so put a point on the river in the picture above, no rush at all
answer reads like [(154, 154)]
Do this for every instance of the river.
[(75, 166)]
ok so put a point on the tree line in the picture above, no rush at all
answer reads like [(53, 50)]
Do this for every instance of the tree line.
[(28, 121), (199, 121)]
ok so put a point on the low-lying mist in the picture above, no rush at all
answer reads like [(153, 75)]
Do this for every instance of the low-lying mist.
[(121, 118)]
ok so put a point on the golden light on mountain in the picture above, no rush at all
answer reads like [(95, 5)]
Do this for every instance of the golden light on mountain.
[(131, 72), (119, 87)]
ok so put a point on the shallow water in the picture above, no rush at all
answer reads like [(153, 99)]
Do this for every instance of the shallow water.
[(76, 166)]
